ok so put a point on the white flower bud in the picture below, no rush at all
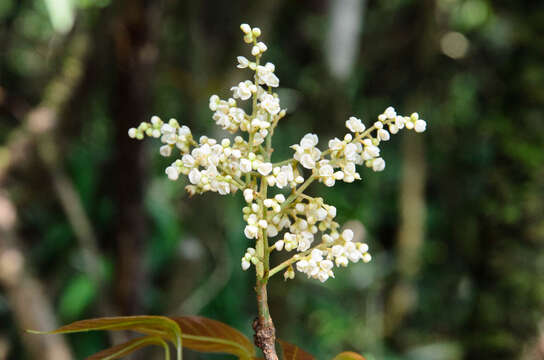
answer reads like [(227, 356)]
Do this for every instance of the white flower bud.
[(378, 164), (245, 264), (279, 245), (165, 150), (383, 135), (245, 165), (251, 231), (195, 176), (245, 28), (172, 173), (243, 62), (268, 203), (271, 231), (355, 125), (264, 168), (262, 47), (420, 126), (347, 234), (248, 195)]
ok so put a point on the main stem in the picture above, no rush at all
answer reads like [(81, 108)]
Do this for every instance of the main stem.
[(265, 333)]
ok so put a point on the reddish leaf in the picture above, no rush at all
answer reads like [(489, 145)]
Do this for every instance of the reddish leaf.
[(348, 355), (118, 351), (293, 352), (207, 335), (149, 325), (159, 326)]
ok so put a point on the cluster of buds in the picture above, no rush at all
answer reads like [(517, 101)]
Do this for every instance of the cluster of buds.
[(277, 206)]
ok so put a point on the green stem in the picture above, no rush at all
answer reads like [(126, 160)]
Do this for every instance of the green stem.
[(265, 333), (290, 261), (299, 191)]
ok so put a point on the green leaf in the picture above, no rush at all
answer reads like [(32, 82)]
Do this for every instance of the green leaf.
[(207, 335), (293, 352), (79, 293), (118, 351), (348, 355)]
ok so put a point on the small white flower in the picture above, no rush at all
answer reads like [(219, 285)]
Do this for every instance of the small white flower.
[(172, 173), (245, 165), (355, 125), (271, 231), (262, 46), (347, 234), (289, 273), (264, 168), (245, 264), (307, 161), (265, 75), (420, 126), (243, 91), (309, 141), (248, 195), (251, 231), (306, 153), (378, 164), (390, 112), (270, 103), (195, 176), (350, 173), (246, 29), (383, 135), (243, 62), (165, 150), (188, 161)]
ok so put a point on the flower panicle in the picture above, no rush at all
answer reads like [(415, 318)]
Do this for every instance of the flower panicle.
[(299, 223)]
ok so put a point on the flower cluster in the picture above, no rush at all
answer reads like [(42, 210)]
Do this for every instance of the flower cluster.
[(276, 204)]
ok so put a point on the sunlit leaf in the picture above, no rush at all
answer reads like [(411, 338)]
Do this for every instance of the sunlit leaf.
[(207, 335), (61, 13), (118, 351), (348, 355), (293, 352)]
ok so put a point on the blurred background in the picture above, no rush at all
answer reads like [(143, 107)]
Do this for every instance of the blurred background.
[(90, 226)]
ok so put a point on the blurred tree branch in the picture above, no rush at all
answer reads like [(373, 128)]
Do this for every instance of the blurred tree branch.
[(135, 31), (28, 300), (37, 130)]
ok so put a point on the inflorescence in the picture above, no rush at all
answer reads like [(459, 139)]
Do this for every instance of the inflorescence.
[(243, 163)]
